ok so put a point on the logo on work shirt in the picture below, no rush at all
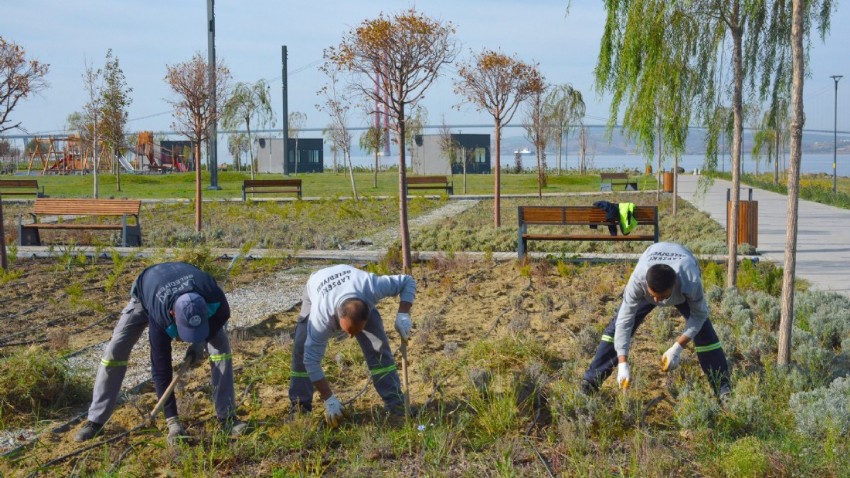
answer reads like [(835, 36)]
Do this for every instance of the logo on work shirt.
[(665, 256), (333, 281), (170, 289)]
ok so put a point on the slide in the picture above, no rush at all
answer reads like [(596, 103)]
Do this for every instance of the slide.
[(126, 164)]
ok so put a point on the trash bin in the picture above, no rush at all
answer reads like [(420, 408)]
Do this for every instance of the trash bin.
[(748, 219), (668, 181)]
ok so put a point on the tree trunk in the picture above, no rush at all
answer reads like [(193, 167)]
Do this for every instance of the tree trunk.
[(660, 172), (798, 119), (675, 184), (296, 157), (539, 175), (566, 150), (497, 191), (251, 146), (463, 162), (560, 145), (3, 261), (376, 168), (347, 154), (94, 158), (197, 186), (402, 198), (117, 170), (776, 154), (737, 140)]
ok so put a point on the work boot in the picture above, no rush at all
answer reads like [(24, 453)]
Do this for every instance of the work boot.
[(394, 409), (298, 409), (176, 433), (89, 431), (724, 394), (587, 388), (233, 426)]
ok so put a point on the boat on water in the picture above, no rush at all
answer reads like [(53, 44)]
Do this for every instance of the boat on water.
[(523, 151)]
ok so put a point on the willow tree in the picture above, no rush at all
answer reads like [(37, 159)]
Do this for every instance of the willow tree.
[(248, 103), (403, 53), (498, 84), (647, 41), (565, 111)]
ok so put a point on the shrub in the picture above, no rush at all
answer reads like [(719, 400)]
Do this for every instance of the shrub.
[(745, 457), (814, 359), (823, 411), (36, 381), (696, 408)]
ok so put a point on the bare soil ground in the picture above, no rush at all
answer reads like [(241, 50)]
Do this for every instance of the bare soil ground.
[(560, 309)]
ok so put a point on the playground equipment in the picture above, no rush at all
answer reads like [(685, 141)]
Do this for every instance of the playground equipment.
[(71, 155), (67, 155), (163, 157)]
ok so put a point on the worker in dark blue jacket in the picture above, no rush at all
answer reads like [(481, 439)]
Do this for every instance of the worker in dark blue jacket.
[(175, 301)]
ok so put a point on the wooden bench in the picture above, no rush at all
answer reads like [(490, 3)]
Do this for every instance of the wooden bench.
[(270, 186), (579, 216), (131, 234), (609, 180), (429, 182), (20, 187)]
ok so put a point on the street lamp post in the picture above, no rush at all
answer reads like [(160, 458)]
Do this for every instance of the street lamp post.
[(835, 78)]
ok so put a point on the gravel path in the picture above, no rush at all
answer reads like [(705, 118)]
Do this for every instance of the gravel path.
[(386, 237)]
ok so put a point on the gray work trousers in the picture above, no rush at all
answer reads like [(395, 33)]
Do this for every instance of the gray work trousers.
[(376, 349), (113, 366)]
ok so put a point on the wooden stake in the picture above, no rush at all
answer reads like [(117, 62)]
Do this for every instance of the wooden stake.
[(404, 378)]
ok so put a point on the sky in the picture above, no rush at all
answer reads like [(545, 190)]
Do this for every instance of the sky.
[(148, 35)]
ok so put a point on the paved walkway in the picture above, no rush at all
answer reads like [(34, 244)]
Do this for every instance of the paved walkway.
[(823, 232)]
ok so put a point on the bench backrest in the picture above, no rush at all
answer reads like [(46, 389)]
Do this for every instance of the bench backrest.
[(427, 180), (614, 176), (18, 183), (579, 215), (88, 207), (270, 183)]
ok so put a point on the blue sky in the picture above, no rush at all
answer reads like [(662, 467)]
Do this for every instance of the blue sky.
[(148, 35)]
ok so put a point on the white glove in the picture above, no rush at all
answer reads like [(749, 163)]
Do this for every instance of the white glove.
[(333, 411), (403, 324), (624, 375), (176, 432), (670, 359)]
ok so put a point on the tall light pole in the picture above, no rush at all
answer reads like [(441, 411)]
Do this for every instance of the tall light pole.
[(835, 78), (213, 134)]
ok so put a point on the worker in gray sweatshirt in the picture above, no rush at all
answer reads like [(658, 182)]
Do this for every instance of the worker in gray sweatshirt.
[(667, 274), (344, 298)]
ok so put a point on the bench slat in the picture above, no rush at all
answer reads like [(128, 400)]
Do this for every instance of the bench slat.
[(88, 207), (248, 183), (270, 186), (586, 237), (71, 225), (579, 216), (131, 234), (12, 187)]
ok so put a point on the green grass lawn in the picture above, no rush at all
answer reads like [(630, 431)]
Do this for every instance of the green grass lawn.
[(328, 184)]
